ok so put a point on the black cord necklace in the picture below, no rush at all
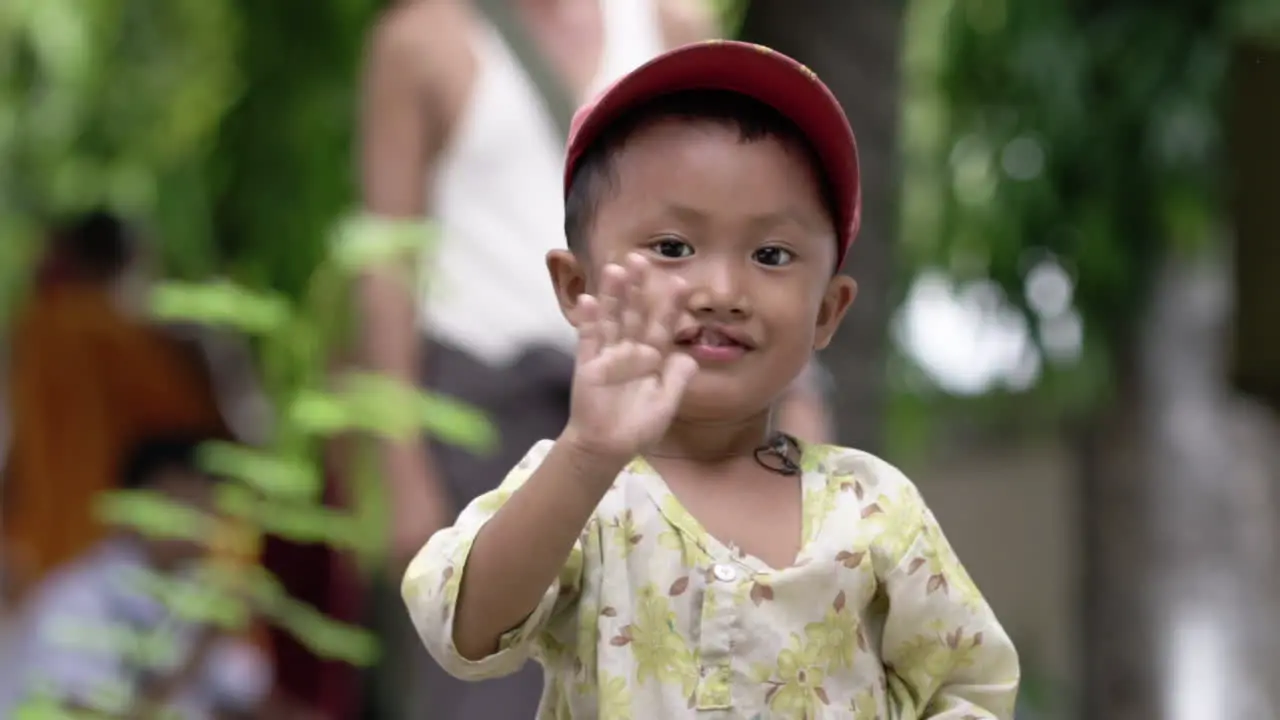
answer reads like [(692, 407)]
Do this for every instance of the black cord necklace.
[(780, 454)]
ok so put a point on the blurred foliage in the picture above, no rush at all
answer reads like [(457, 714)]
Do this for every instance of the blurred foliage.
[(282, 171), (226, 125), (277, 489), (104, 97), (103, 103), (731, 14), (1082, 133)]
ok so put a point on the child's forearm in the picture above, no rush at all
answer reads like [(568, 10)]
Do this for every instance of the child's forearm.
[(519, 553)]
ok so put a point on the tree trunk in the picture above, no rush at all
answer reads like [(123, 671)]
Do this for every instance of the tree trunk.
[(1179, 476), (855, 47), (1253, 114), (1179, 505)]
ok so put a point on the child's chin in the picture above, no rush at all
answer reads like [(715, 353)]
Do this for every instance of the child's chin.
[(721, 397)]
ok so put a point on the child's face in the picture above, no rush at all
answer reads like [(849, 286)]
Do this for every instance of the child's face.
[(187, 488), (744, 225)]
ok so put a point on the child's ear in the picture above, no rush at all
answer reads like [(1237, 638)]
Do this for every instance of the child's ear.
[(569, 278), (839, 295)]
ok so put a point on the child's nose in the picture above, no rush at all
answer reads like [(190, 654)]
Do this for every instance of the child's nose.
[(719, 291)]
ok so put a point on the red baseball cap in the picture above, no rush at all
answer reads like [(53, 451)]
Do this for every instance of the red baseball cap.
[(753, 70)]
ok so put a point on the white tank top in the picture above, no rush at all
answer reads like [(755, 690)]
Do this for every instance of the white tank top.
[(497, 195)]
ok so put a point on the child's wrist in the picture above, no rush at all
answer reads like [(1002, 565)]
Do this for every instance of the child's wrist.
[(590, 461)]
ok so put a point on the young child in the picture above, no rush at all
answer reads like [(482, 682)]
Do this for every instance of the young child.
[(669, 556), (62, 656)]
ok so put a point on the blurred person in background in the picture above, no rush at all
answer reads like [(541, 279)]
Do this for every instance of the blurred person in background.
[(88, 376), (55, 659), (464, 122)]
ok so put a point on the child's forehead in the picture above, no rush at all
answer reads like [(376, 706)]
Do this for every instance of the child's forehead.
[(699, 210), (661, 132), (679, 167), (673, 149)]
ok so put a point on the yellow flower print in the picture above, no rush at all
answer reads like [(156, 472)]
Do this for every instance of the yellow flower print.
[(946, 564), (897, 523), (451, 580), (552, 649), (798, 692), (814, 457), (843, 464), (491, 503), (639, 466), (927, 658), (615, 697), (625, 533), (691, 553), (660, 651), (678, 515), (816, 506), (588, 636), (684, 536), (864, 706), (946, 576), (836, 636)]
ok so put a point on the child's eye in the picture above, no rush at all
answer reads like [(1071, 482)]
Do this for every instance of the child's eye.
[(773, 256), (672, 248)]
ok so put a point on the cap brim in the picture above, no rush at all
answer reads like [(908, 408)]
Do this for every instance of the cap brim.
[(752, 70)]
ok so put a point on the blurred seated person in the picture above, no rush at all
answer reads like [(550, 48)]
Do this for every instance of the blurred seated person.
[(209, 674), (88, 377)]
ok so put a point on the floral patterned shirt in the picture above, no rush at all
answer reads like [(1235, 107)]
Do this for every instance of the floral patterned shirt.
[(652, 617)]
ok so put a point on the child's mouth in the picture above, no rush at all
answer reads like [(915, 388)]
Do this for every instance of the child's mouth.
[(709, 345)]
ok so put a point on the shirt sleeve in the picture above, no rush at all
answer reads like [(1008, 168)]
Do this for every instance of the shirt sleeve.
[(432, 581), (948, 657)]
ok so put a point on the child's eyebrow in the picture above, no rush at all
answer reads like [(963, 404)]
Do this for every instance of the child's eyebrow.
[(686, 213), (773, 218), (784, 217)]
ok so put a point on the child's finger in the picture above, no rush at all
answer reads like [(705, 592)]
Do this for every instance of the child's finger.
[(589, 340), (677, 371), (635, 312), (627, 361), (613, 286), (671, 300)]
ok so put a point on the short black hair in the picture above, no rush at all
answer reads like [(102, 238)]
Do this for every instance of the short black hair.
[(595, 175), (151, 456), (98, 240)]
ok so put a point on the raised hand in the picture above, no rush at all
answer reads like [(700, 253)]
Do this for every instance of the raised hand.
[(629, 379)]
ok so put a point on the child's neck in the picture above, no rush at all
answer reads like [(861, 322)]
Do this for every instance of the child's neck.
[(713, 441)]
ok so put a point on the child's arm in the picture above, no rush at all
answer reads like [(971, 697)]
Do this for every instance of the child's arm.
[(947, 655), (481, 592), (515, 551)]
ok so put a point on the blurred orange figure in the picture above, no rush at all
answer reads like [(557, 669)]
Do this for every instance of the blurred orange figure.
[(88, 379)]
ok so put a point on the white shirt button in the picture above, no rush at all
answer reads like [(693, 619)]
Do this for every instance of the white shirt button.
[(724, 573)]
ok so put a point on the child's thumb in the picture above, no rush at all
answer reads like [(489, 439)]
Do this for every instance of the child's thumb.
[(677, 371)]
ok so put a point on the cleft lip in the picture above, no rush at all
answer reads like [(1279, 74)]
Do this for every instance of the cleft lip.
[(690, 334)]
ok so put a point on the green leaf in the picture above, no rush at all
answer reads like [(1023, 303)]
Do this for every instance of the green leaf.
[(389, 408), (456, 423), (153, 514), (273, 476), (363, 241), (221, 304), (323, 636)]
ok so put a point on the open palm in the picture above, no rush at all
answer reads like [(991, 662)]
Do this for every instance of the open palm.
[(629, 380)]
